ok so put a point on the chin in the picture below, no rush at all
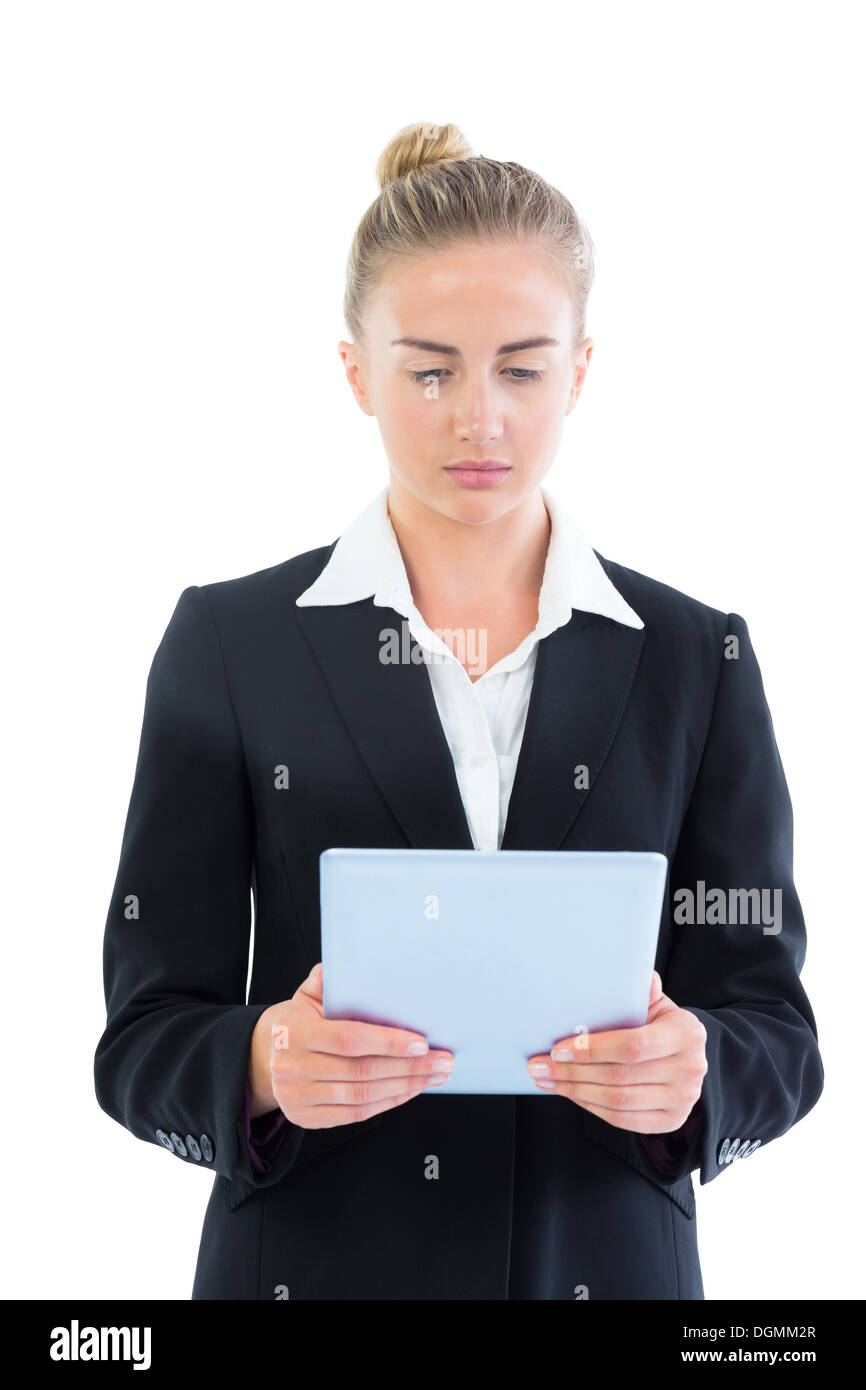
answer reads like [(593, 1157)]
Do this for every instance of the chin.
[(478, 506)]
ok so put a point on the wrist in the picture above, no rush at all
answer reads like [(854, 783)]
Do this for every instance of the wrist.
[(262, 1099)]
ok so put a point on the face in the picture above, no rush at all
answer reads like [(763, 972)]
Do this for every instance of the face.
[(470, 358)]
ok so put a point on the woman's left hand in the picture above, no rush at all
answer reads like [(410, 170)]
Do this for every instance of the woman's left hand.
[(647, 1079)]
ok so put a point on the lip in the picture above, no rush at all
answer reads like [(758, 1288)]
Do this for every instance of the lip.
[(478, 473), (482, 464)]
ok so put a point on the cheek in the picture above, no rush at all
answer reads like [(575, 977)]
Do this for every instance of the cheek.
[(410, 412), (537, 413)]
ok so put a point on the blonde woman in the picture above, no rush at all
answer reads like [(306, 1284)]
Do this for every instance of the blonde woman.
[(274, 729)]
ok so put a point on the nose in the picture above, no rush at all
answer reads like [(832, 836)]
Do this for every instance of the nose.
[(477, 419)]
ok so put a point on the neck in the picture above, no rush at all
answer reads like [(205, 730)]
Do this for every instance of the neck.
[(464, 564)]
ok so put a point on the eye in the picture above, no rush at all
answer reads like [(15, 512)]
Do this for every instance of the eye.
[(524, 374), (425, 376), (528, 374)]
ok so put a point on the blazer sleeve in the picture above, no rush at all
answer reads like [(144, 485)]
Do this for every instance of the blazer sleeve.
[(172, 1062), (264, 1135), (739, 970)]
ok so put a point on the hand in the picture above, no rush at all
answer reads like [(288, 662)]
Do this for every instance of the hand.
[(647, 1079), (324, 1072)]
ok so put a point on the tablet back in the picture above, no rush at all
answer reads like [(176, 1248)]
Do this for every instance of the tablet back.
[(495, 954)]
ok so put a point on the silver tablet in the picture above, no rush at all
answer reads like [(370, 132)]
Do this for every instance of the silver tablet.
[(494, 955)]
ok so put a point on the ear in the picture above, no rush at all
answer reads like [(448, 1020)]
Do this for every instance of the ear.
[(584, 352), (352, 363)]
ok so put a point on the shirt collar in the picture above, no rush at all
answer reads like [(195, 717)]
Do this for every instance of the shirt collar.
[(366, 562)]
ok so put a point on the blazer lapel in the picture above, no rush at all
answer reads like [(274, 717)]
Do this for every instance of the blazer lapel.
[(392, 716), (583, 678)]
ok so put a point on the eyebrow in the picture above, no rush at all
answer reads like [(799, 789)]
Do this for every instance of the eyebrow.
[(427, 346)]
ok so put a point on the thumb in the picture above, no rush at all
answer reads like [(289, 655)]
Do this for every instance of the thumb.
[(659, 1003), (655, 988), (312, 985)]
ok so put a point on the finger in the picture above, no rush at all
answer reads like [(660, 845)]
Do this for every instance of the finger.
[(659, 1003), (647, 1042), (328, 1116), (348, 1037), (616, 1098), (655, 988), (358, 1094), (310, 989), (309, 1065), (660, 1071), (646, 1122)]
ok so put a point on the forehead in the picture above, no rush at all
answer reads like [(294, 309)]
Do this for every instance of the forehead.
[(472, 293)]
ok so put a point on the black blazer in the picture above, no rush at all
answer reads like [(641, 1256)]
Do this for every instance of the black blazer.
[(535, 1197)]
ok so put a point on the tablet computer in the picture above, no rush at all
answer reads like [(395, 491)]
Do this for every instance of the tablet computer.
[(492, 954)]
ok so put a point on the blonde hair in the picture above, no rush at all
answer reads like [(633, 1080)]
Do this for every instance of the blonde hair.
[(436, 193)]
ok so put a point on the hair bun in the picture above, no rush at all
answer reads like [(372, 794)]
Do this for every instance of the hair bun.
[(417, 145)]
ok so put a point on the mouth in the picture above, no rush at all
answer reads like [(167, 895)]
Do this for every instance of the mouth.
[(475, 473)]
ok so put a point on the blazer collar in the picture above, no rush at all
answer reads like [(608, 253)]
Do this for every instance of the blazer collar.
[(366, 563), (581, 686)]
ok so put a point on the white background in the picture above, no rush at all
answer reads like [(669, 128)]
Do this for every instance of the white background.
[(181, 182)]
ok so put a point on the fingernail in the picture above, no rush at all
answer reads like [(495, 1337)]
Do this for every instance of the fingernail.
[(437, 1080), (443, 1064), (562, 1054), (539, 1069), (546, 1085), (417, 1049)]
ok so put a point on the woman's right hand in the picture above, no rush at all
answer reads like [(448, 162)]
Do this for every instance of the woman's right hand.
[(323, 1072)]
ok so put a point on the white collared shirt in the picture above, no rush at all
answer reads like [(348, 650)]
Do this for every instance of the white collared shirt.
[(483, 720)]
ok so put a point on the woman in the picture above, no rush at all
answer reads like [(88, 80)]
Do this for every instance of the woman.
[(552, 700)]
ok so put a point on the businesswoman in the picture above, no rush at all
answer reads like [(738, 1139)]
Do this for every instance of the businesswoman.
[(552, 699)]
